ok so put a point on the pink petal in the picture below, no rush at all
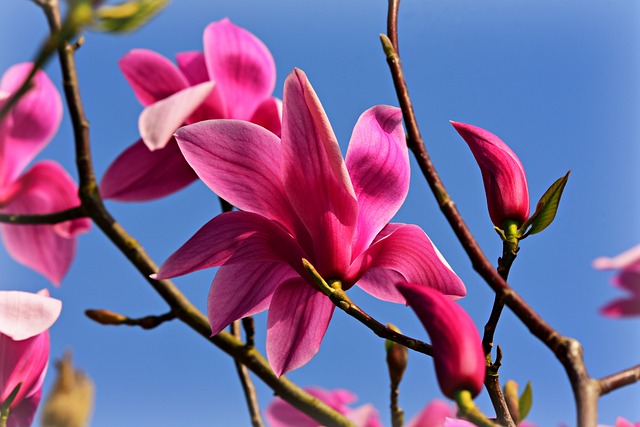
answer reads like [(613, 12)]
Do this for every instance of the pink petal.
[(298, 319), (365, 416), (378, 164), (433, 415), (24, 315), (242, 290), (628, 280), (23, 414), (193, 66), (315, 176), (376, 282), (451, 422), (279, 413), (233, 237), (152, 76), (47, 249), (269, 115), (241, 163), (629, 258), (408, 251), (621, 422), (241, 65), (139, 174), (31, 123), (623, 307), (160, 120)]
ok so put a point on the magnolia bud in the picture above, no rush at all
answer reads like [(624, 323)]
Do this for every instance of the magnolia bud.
[(397, 358), (505, 182), (457, 349)]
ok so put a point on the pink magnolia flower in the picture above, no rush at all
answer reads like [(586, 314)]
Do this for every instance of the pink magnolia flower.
[(457, 349), (24, 350), (232, 79), (505, 182), (45, 188), (299, 199), (628, 279), (281, 414)]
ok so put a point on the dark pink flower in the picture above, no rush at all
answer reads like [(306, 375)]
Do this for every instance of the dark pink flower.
[(45, 188), (505, 182), (25, 320), (233, 79), (457, 349), (298, 198), (627, 279)]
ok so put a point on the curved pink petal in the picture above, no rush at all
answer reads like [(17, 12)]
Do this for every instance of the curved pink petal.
[(621, 422), (269, 115), (408, 251), (365, 416), (298, 319), (242, 290), (378, 282), (241, 65), (628, 280), (47, 249), (378, 163), (628, 259), (193, 66), (139, 174), (24, 315), (241, 163), (233, 237), (30, 124), (623, 307), (315, 176), (159, 121), (433, 415), (279, 413), (23, 414), (151, 76)]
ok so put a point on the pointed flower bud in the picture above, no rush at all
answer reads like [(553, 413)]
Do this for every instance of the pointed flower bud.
[(397, 358), (505, 182), (457, 349)]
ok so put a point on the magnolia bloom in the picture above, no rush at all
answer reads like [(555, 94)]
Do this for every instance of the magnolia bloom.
[(300, 199), (505, 182), (281, 414), (627, 279), (24, 350), (46, 187), (233, 79), (457, 349)]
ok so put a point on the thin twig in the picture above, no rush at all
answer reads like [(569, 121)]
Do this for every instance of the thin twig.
[(185, 310), (247, 386), (107, 317), (52, 218), (619, 379), (567, 350)]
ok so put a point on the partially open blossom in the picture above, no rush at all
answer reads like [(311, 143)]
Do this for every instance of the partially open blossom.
[(457, 350), (298, 198), (505, 182), (281, 414), (627, 279), (233, 79), (46, 187), (25, 319)]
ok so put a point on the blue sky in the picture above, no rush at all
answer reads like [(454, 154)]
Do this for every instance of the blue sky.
[(557, 81)]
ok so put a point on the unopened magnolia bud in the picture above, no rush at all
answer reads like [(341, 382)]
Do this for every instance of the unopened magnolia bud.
[(105, 317), (397, 358), (505, 182), (457, 349)]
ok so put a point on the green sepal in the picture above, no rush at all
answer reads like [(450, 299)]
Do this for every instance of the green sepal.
[(545, 209), (128, 16), (525, 402), (4, 406)]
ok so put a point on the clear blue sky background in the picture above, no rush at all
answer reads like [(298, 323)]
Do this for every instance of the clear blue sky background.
[(558, 81)]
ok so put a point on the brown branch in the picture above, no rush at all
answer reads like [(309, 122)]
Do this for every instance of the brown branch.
[(52, 218), (247, 386), (184, 309), (567, 350), (107, 317), (618, 380)]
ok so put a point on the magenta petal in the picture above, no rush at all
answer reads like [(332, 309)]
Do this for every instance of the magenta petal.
[(233, 237), (22, 415), (365, 416), (378, 164), (376, 282), (160, 120), (298, 319), (30, 124), (408, 251), (47, 249), (152, 76), (193, 67), (139, 174), (24, 315), (269, 115), (623, 307), (241, 65), (242, 290), (321, 191), (627, 259), (279, 413), (433, 415)]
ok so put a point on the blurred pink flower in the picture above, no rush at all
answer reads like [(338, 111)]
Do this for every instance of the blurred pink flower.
[(233, 79), (298, 199), (627, 279), (46, 187), (505, 182), (458, 356), (25, 319)]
